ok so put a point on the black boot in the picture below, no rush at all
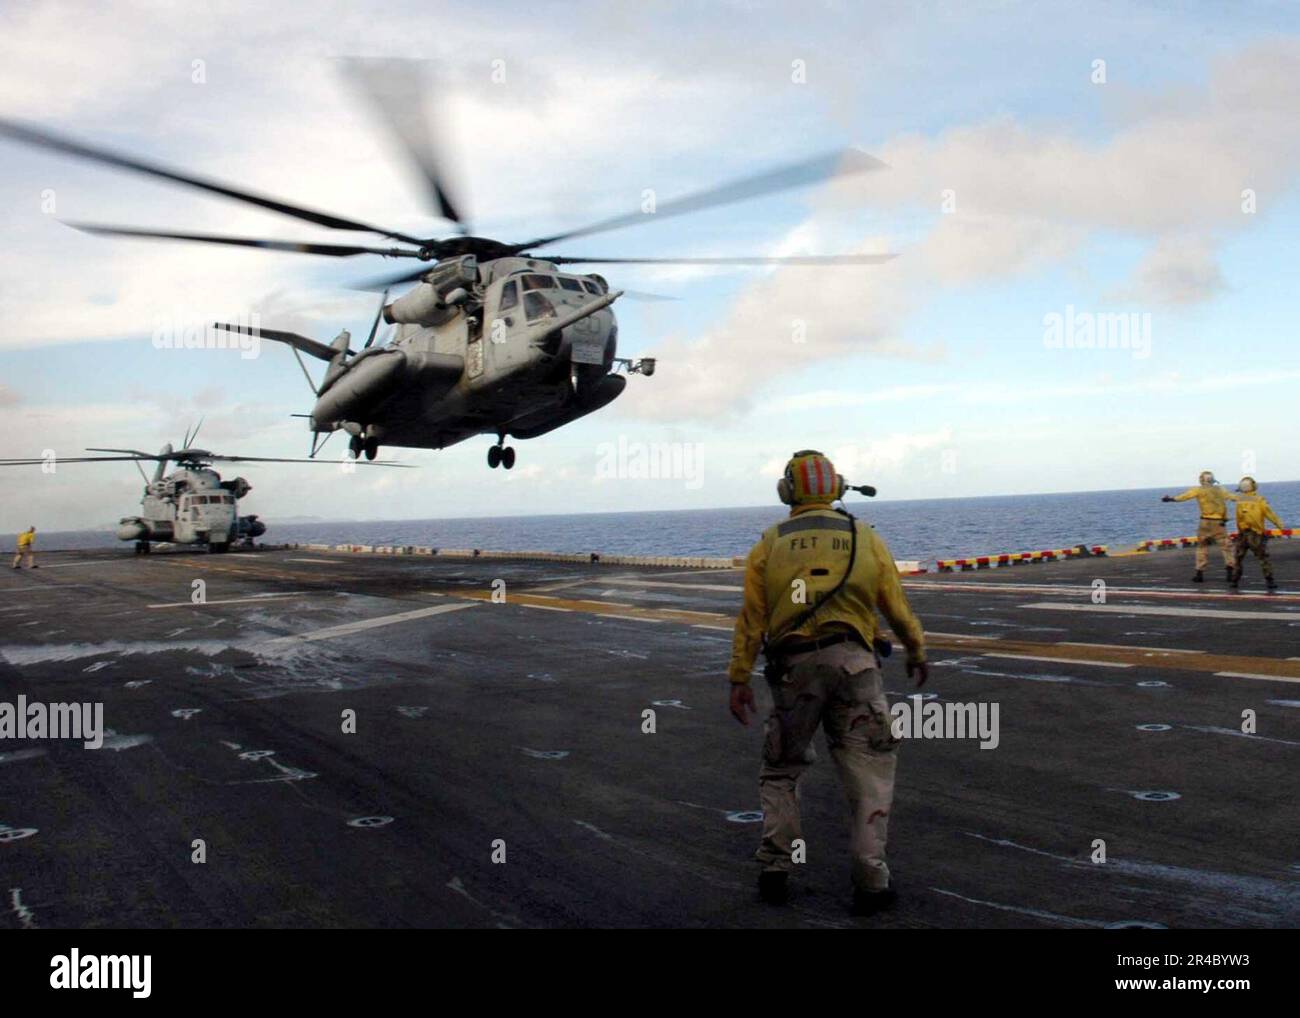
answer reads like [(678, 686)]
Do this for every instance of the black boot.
[(774, 887), (1231, 574), (1270, 584), (1199, 577), (868, 903)]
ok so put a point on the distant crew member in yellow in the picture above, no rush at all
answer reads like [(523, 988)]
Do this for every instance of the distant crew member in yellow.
[(25, 541), (1213, 501), (813, 584), (1253, 515)]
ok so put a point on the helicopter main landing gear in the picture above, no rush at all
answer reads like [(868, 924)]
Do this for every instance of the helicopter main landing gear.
[(142, 547), (501, 455), (358, 445)]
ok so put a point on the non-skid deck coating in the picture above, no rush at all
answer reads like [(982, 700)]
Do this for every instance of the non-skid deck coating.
[(482, 724)]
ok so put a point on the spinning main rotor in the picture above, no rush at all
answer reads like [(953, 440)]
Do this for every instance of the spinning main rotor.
[(395, 91)]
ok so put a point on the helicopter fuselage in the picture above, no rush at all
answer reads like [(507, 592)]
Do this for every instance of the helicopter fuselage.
[(512, 347), (192, 505)]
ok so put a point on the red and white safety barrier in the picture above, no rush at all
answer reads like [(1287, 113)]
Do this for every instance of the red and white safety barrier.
[(1164, 543), (950, 565)]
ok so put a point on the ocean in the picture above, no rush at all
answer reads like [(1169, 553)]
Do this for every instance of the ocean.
[(924, 529)]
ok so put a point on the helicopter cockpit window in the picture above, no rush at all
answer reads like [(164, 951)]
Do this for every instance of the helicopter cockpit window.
[(509, 296), (533, 281), (590, 287), (537, 306), (570, 284)]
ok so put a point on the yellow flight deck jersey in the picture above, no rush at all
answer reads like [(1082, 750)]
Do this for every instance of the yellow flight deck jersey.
[(812, 545), (25, 539), (1212, 499), (1252, 511)]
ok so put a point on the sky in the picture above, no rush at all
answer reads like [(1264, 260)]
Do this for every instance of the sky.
[(1054, 173)]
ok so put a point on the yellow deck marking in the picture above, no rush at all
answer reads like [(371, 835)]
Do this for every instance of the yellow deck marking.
[(1112, 654)]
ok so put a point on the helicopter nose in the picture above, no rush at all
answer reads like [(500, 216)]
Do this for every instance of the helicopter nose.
[(592, 340)]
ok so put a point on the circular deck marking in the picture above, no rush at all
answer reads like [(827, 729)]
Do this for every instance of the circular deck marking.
[(748, 816), (16, 833), (1134, 924), (370, 822), (547, 754), (1155, 728), (669, 703), (1154, 684), (186, 712), (1156, 796)]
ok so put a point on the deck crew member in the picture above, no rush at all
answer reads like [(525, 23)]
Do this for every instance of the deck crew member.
[(812, 586), (1213, 501), (1253, 515), (25, 541)]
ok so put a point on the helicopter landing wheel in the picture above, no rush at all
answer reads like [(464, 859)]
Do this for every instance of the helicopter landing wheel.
[(142, 547), (371, 446), (508, 457), (494, 456), (354, 447)]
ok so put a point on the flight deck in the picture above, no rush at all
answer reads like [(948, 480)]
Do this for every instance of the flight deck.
[(308, 738)]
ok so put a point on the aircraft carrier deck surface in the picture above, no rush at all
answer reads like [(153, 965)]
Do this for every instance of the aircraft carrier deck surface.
[(518, 725)]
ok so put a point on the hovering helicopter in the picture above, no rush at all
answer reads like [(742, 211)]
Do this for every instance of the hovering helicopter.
[(492, 339), (192, 504)]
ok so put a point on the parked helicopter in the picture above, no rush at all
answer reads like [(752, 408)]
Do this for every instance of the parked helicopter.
[(192, 504), (491, 340)]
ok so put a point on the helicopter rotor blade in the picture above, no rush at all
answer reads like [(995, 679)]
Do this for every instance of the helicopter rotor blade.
[(136, 453), (77, 459), (387, 283), (194, 456), (59, 143), (374, 326), (332, 250), (395, 90), (274, 459), (840, 259), (827, 166)]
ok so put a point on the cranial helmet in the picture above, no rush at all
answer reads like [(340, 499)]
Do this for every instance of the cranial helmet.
[(1247, 484), (1207, 476), (809, 477)]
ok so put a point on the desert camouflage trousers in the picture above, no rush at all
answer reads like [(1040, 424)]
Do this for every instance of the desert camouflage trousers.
[(839, 689), (1208, 532)]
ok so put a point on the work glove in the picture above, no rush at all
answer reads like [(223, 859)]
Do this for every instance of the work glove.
[(920, 669), (1166, 498)]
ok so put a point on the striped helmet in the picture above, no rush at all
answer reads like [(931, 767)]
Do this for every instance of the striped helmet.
[(809, 477)]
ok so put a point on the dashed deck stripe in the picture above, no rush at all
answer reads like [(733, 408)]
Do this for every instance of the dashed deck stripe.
[(1171, 611), (362, 625)]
